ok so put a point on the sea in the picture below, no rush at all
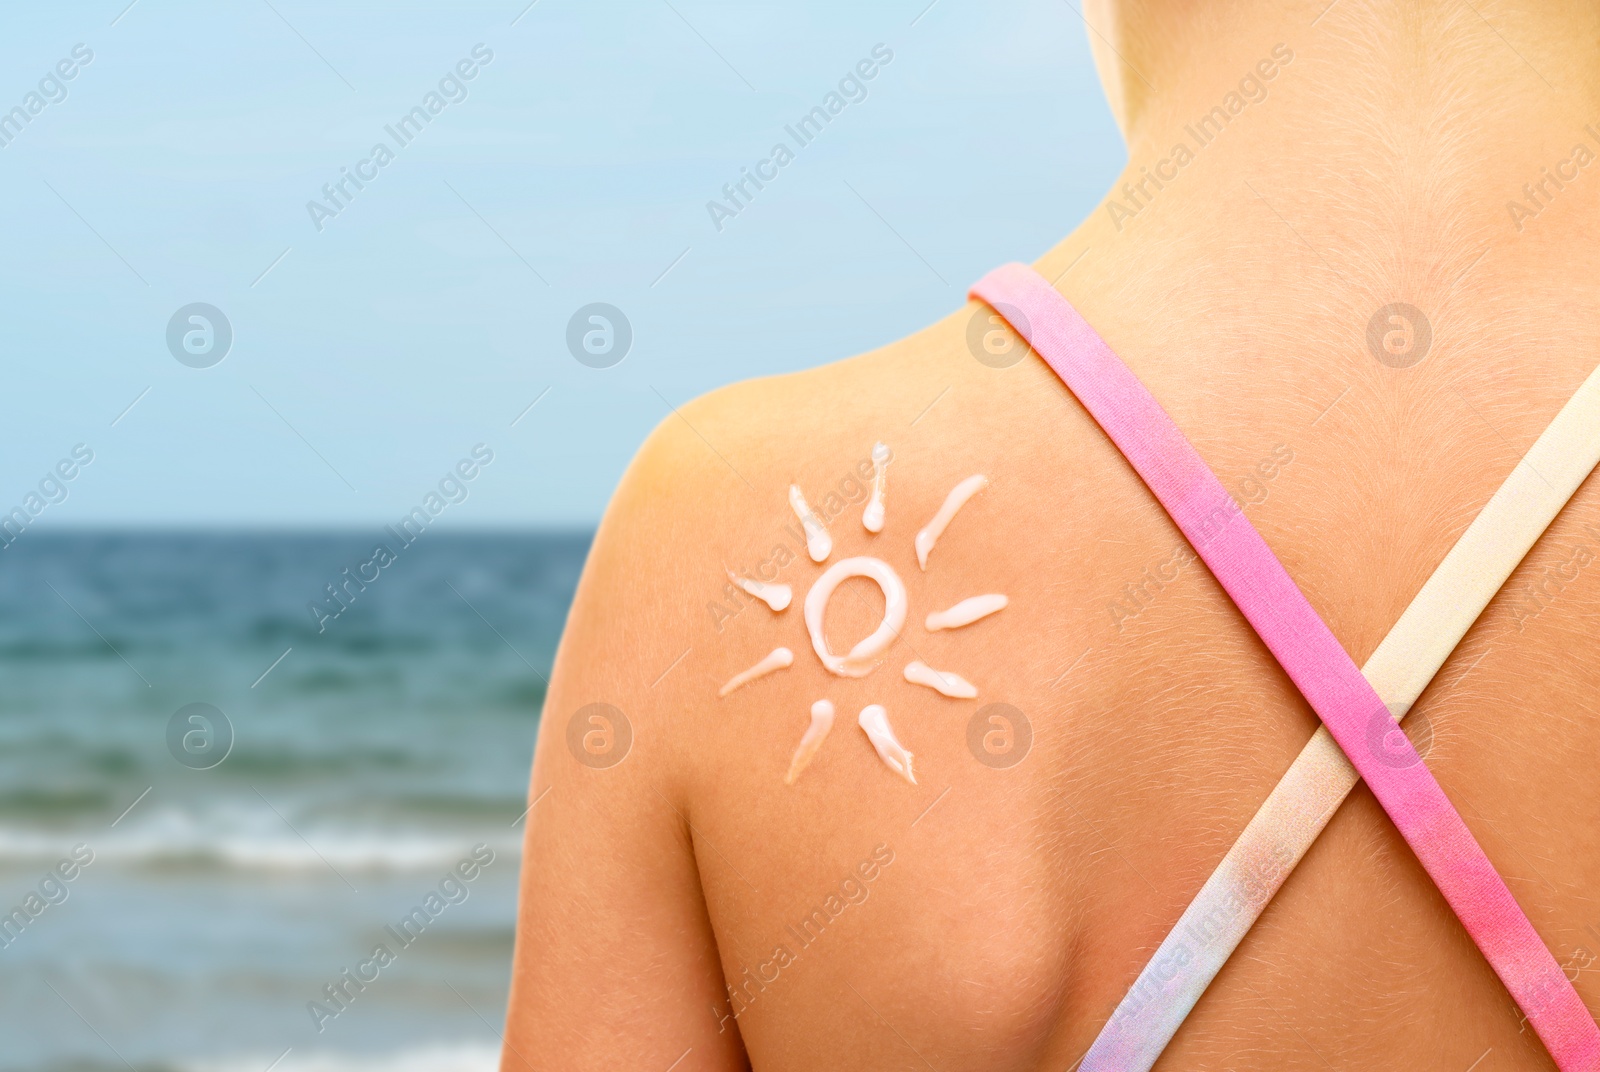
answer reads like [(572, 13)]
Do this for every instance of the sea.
[(262, 804)]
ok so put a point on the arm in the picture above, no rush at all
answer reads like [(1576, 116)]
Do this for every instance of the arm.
[(616, 965)]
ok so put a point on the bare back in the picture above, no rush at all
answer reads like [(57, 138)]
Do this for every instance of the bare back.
[(685, 904)]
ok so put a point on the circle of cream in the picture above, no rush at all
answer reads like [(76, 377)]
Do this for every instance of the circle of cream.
[(865, 656)]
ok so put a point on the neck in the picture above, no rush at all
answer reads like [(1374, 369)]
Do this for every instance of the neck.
[(1376, 150), (1367, 61)]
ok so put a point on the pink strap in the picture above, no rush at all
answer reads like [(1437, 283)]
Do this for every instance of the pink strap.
[(1310, 654)]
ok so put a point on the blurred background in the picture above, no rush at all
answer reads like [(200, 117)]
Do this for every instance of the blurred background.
[(235, 373)]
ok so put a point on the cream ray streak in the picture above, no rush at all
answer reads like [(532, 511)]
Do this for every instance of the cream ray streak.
[(821, 723), (954, 501), (942, 681), (872, 516), (819, 545), (777, 660), (776, 596), (875, 721), (966, 612)]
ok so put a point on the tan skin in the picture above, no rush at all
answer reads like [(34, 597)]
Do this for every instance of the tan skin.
[(1019, 903)]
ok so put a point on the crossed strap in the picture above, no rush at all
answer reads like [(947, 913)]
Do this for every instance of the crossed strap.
[(1357, 739)]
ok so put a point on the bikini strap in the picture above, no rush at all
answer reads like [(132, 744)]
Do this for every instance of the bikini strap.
[(1303, 802), (1309, 653)]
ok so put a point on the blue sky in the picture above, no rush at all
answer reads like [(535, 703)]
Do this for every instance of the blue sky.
[(433, 308)]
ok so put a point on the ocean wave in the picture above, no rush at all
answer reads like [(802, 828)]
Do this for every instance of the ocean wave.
[(174, 838), (459, 1057), (53, 803)]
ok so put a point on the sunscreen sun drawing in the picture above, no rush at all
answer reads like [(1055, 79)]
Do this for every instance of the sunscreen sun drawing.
[(872, 651)]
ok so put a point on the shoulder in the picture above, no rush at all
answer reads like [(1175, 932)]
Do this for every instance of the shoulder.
[(716, 463), (661, 620), (709, 490), (930, 393)]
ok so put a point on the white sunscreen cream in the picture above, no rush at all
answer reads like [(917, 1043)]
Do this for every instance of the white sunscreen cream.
[(778, 660), (966, 612), (875, 721), (920, 673), (821, 723), (776, 596), (866, 655), (954, 501), (819, 545), (872, 516)]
